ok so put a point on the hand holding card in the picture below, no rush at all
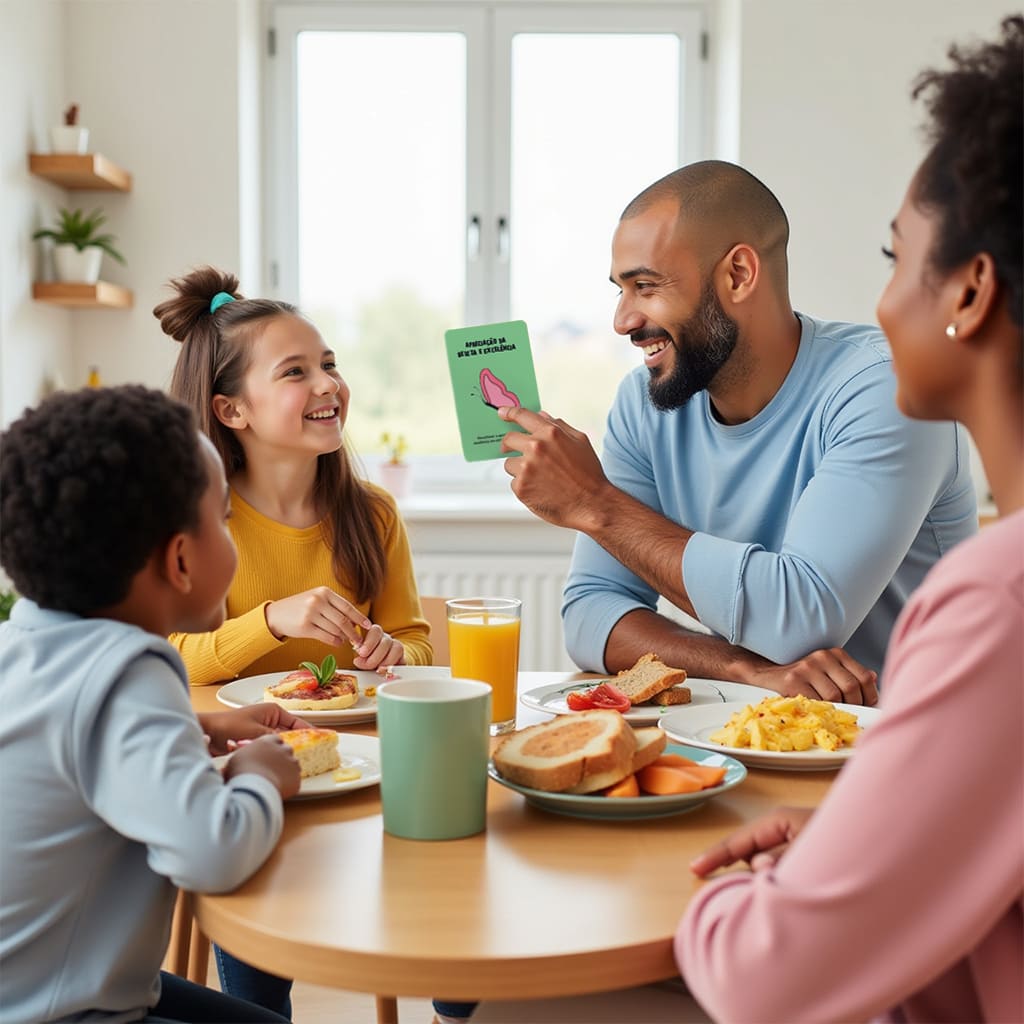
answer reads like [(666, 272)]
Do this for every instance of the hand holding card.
[(491, 366)]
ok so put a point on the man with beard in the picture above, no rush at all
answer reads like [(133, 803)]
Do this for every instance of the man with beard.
[(756, 472)]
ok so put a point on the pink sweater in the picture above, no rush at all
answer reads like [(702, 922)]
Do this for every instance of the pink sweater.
[(902, 898)]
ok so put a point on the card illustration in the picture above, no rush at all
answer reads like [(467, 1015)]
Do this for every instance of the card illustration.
[(490, 366)]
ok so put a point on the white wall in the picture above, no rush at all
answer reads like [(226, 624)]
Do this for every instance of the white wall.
[(827, 123), (35, 340)]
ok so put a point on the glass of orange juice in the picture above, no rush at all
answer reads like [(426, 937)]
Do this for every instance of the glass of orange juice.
[(483, 638)]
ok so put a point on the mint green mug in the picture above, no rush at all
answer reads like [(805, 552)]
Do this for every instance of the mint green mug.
[(434, 744)]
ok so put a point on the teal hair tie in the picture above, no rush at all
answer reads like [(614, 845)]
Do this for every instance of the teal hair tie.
[(220, 299)]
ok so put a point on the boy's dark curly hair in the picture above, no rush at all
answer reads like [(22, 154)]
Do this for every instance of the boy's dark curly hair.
[(972, 176), (91, 483)]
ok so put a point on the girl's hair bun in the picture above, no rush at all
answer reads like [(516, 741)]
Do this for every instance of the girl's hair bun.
[(180, 315)]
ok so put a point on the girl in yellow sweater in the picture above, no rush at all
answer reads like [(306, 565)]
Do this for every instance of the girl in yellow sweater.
[(324, 563), (323, 557)]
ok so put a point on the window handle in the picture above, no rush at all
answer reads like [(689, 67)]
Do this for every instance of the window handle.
[(473, 238), (503, 240)]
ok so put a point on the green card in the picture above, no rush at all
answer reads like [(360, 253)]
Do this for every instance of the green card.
[(490, 366)]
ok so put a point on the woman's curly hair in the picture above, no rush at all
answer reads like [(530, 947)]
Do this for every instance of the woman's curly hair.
[(972, 176), (92, 482)]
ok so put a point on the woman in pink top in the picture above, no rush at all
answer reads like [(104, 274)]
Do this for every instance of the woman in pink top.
[(901, 898)]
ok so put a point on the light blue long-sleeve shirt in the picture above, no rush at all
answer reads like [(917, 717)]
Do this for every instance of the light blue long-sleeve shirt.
[(813, 521), (108, 800)]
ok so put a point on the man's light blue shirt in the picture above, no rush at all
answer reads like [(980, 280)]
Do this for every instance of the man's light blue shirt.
[(813, 522)]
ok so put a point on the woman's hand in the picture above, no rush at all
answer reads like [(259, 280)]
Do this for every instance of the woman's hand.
[(378, 651), (760, 843), (227, 730), (317, 614)]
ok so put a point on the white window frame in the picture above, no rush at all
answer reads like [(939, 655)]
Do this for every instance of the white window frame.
[(489, 28)]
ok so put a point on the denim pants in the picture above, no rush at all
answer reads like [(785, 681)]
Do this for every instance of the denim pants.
[(454, 1011), (255, 986), (182, 1000)]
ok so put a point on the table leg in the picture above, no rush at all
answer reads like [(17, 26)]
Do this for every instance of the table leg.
[(387, 1010)]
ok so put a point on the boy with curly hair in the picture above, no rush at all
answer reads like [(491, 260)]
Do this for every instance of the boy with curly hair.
[(114, 531)]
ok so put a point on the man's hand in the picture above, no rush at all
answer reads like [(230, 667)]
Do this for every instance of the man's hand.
[(823, 675), (226, 728), (270, 757), (558, 476), (760, 843)]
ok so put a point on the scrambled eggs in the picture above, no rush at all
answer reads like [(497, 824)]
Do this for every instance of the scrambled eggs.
[(789, 723)]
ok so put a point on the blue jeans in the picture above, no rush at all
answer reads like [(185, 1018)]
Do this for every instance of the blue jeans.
[(182, 1000), (458, 1011), (252, 984)]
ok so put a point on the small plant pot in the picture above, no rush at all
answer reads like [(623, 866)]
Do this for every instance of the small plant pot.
[(396, 477), (69, 138), (79, 266)]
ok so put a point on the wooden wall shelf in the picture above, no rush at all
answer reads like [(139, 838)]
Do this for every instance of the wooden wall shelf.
[(80, 171), (90, 296)]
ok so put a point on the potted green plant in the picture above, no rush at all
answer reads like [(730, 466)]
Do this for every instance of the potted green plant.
[(69, 137), (395, 471), (78, 245)]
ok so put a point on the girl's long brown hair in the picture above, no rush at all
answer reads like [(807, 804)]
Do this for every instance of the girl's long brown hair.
[(215, 355)]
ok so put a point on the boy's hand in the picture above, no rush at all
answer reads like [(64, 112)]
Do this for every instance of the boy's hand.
[(226, 728), (760, 844), (270, 757)]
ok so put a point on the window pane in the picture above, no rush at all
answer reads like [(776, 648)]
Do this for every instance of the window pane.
[(382, 198), (594, 120)]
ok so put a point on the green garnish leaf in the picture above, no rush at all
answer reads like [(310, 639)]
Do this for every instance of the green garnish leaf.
[(324, 673)]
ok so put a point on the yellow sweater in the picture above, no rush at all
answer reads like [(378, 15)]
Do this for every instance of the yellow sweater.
[(275, 562)]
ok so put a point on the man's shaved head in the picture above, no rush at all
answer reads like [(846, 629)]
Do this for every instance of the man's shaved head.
[(721, 205)]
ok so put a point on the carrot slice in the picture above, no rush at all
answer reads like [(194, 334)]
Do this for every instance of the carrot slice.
[(674, 761), (705, 774), (627, 787), (662, 779)]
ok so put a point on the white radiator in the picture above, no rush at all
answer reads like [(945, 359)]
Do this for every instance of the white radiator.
[(535, 579)]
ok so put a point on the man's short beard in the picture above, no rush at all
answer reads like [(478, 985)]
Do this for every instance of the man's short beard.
[(703, 345)]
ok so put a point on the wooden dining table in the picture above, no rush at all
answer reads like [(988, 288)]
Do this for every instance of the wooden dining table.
[(537, 905)]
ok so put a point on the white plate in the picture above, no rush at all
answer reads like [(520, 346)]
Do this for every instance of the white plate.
[(243, 692), (696, 724), (632, 808), (551, 698), (362, 752)]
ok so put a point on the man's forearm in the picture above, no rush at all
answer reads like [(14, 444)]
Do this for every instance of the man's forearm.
[(703, 656), (644, 541)]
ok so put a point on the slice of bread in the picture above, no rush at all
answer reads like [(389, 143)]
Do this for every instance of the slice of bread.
[(316, 750), (649, 744), (557, 755), (673, 695), (647, 678)]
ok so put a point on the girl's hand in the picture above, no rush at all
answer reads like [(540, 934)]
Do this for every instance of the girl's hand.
[(317, 614), (760, 844), (378, 651), (227, 730)]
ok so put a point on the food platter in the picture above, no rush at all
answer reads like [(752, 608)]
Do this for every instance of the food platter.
[(249, 690), (694, 725), (356, 751), (551, 698), (632, 808)]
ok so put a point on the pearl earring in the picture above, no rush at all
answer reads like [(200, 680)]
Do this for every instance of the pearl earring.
[(950, 330)]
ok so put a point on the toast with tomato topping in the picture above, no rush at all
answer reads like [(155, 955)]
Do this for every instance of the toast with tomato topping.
[(302, 691), (316, 750), (565, 753), (652, 680)]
